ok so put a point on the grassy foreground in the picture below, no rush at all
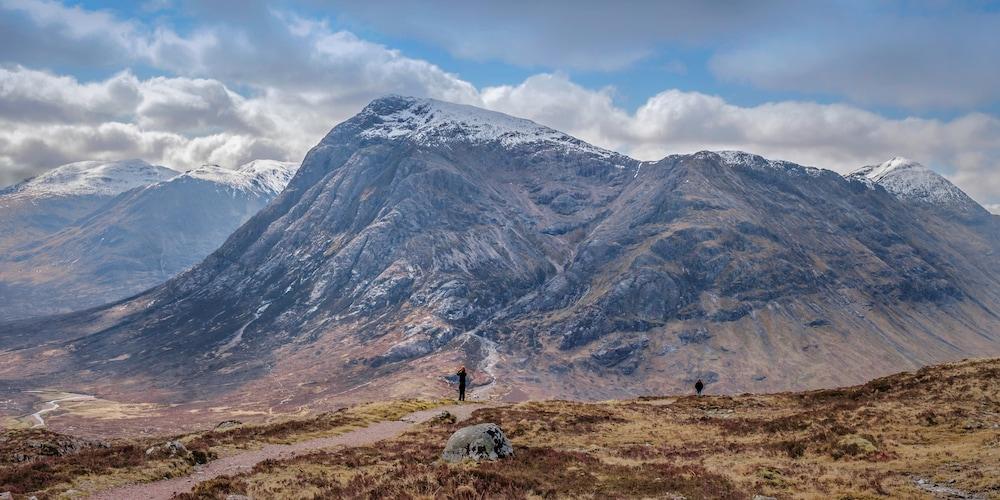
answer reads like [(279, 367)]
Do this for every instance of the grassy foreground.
[(50, 465), (932, 433)]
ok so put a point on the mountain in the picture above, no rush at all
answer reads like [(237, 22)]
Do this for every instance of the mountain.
[(43, 205), (148, 225), (913, 182), (420, 235)]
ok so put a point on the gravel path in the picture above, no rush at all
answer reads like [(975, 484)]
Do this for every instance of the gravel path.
[(243, 462)]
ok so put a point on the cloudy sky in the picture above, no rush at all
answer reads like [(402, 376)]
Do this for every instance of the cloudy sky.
[(830, 84)]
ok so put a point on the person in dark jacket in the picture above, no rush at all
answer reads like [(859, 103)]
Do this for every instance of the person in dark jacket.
[(461, 384), (699, 386)]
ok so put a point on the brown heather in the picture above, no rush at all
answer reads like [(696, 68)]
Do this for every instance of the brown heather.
[(940, 424)]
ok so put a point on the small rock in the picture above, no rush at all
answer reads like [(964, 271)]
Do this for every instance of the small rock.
[(445, 417), (971, 425), (227, 424), (477, 442), (763, 497), (6, 496), (237, 497)]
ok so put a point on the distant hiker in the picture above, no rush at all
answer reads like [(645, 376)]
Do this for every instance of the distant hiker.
[(699, 386), (461, 384)]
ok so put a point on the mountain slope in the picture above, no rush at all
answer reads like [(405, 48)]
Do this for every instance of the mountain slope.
[(913, 182), (43, 205), (134, 241), (419, 235)]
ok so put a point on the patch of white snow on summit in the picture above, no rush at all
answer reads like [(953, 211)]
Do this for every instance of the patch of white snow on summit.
[(907, 179), (100, 178), (744, 159), (434, 122), (266, 176)]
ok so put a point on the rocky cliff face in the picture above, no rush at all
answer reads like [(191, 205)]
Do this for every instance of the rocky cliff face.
[(419, 235), (127, 227)]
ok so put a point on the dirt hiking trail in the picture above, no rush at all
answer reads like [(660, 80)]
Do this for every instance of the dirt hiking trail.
[(243, 462)]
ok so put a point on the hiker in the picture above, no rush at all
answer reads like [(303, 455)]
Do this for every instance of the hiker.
[(461, 384), (699, 386)]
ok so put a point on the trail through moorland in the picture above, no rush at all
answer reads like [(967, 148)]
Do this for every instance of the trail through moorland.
[(245, 461)]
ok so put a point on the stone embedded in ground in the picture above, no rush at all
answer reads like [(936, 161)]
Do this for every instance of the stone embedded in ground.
[(477, 442), (227, 424), (445, 417), (855, 445), (169, 449)]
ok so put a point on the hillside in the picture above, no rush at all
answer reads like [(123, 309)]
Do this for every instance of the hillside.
[(420, 235), (933, 433), (135, 239), (44, 205)]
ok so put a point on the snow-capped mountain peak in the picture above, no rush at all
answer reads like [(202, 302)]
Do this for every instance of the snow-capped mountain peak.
[(100, 178), (909, 180), (258, 175), (430, 121), (894, 166), (272, 174)]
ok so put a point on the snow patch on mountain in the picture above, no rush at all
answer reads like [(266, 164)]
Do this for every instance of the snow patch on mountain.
[(430, 121), (909, 180), (262, 176), (743, 159), (98, 178)]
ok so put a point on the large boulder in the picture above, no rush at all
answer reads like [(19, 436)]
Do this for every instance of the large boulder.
[(477, 442)]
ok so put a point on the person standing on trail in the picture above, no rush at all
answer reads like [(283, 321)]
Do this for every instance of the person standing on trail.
[(699, 386), (461, 384)]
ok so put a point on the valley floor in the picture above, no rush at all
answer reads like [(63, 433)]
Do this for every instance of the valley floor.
[(934, 433)]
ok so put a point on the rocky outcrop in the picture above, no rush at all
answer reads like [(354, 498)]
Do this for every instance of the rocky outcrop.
[(25, 445), (168, 449), (477, 442)]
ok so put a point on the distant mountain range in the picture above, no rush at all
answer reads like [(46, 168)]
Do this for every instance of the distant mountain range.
[(420, 235), (90, 233)]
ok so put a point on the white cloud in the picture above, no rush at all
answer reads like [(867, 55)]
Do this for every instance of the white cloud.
[(557, 102), (295, 85), (47, 120), (241, 97), (834, 136), (915, 55)]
